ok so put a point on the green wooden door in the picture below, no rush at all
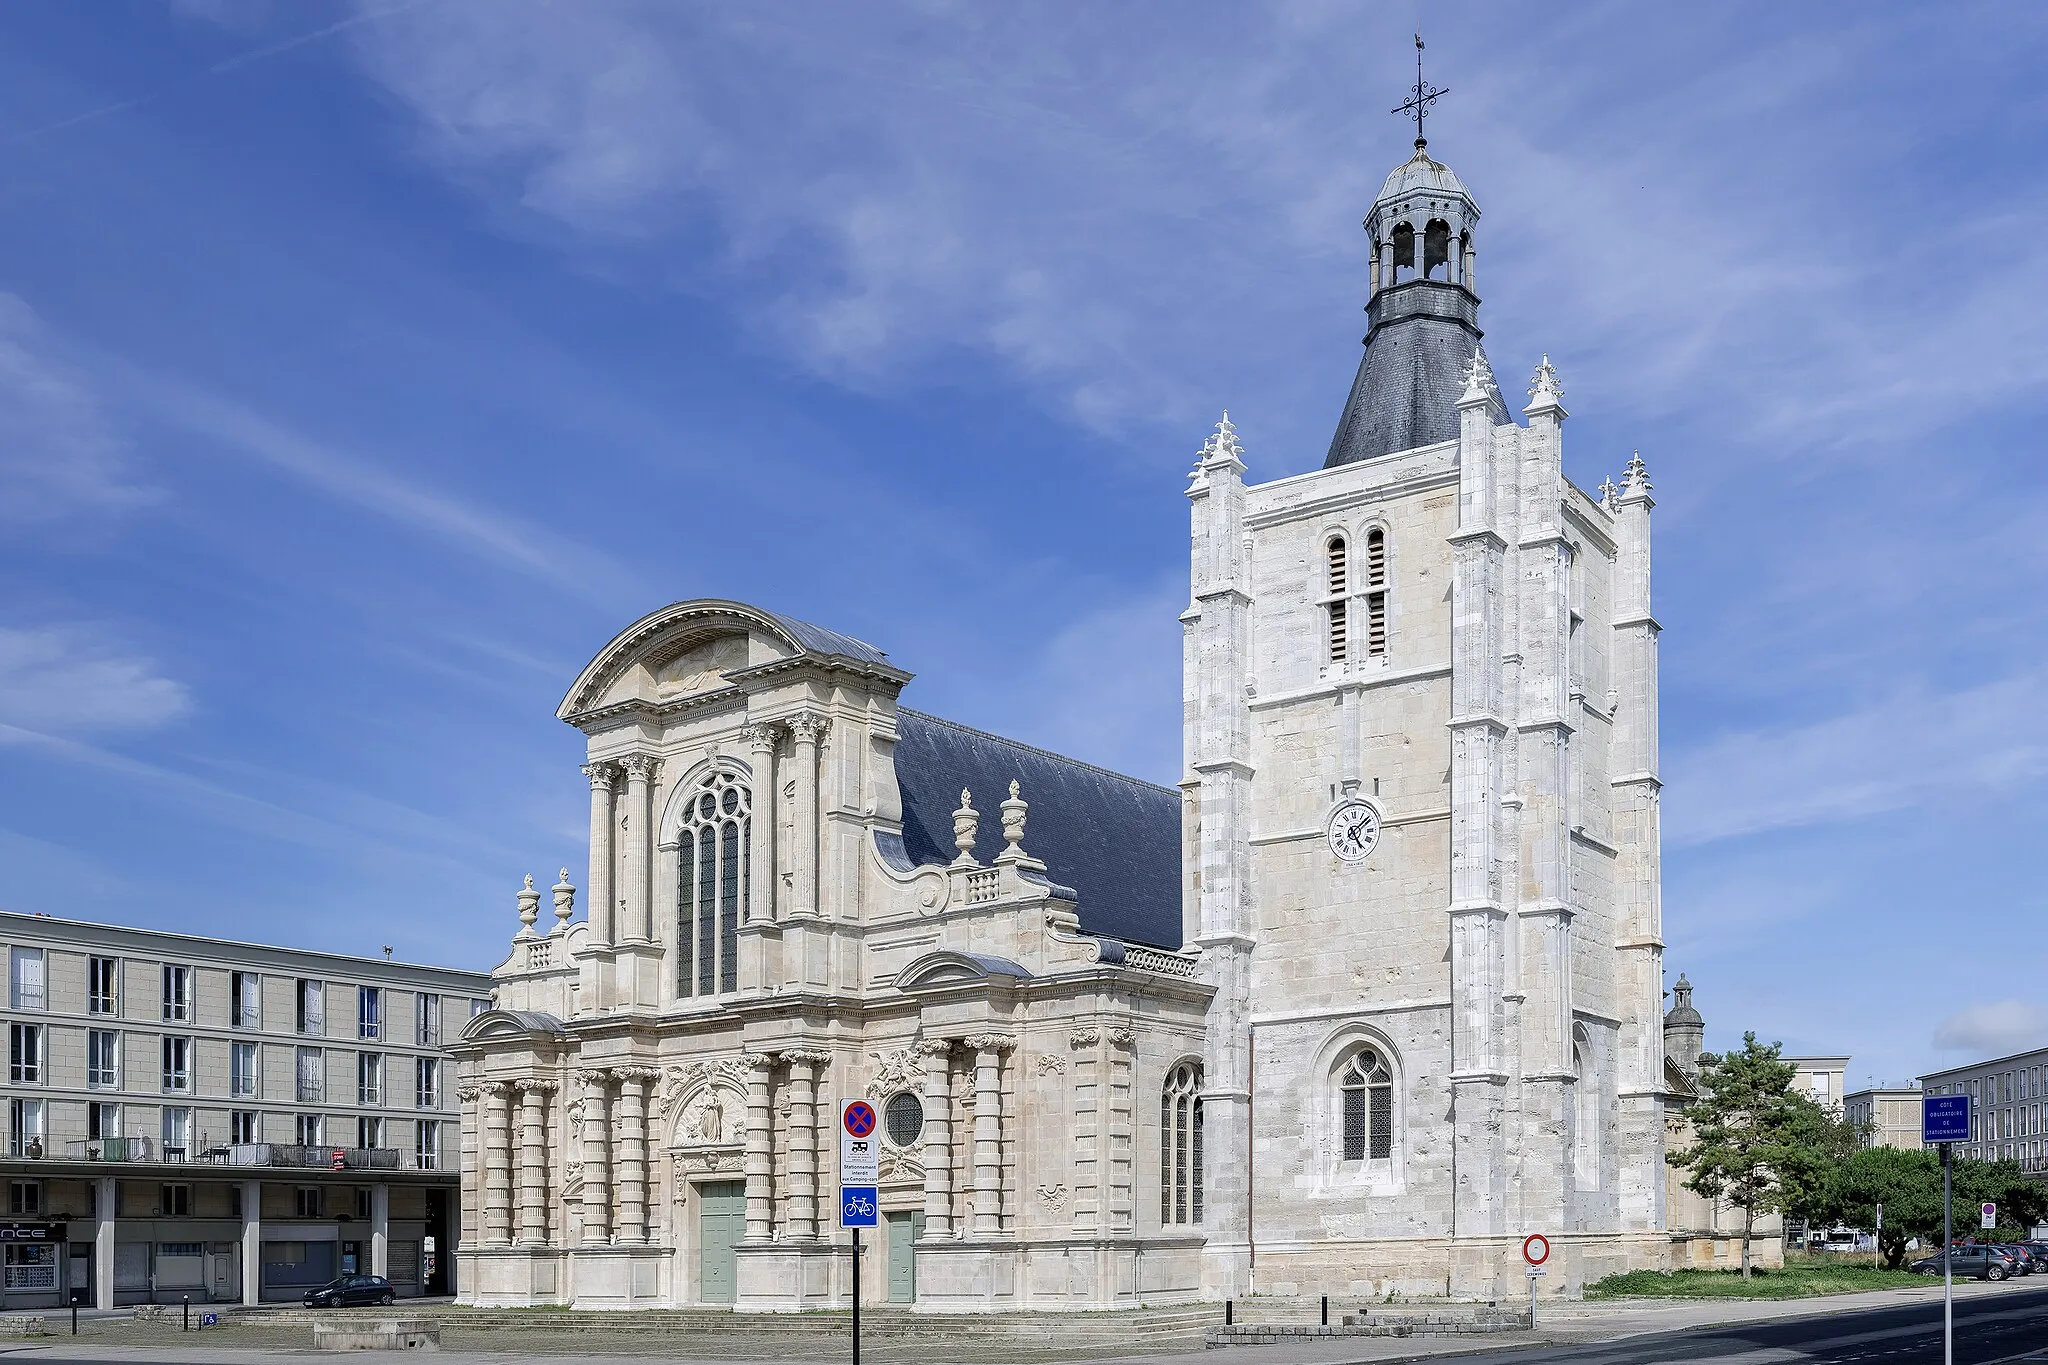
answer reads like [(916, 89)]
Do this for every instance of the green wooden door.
[(721, 1222), (904, 1230)]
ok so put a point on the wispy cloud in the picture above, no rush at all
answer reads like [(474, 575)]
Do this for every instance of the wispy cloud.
[(73, 679), (1994, 1028), (61, 460)]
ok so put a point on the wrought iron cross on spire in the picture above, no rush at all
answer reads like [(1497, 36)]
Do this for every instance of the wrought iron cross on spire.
[(1417, 104)]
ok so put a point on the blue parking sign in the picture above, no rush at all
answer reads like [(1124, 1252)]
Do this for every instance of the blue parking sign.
[(1944, 1118), (857, 1206)]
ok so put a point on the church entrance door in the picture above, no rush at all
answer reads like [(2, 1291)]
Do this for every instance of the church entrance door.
[(721, 1222), (904, 1230)]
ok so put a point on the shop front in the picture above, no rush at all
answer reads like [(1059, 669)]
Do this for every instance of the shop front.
[(32, 1265)]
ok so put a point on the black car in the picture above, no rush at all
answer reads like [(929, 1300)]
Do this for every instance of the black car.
[(353, 1291), (1972, 1262)]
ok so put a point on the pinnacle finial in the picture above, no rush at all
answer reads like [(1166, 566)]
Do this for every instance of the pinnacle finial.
[(529, 907), (1478, 379), (565, 899), (1635, 477), (1223, 443), (1545, 390), (1610, 493)]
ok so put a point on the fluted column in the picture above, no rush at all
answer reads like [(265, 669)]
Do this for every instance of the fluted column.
[(761, 836), (988, 1131), (597, 1185), (497, 1163), (803, 1142), (533, 1160), (938, 1136), (634, 1084), (639, 860), (603, 897), (472, 1168), (805, 730), (760, 1157)]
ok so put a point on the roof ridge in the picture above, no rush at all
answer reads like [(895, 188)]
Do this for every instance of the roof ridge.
[(1034, 749)]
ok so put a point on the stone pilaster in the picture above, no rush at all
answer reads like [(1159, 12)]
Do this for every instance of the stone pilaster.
[(597, 1186), (760, 1149), (533, 1159), (497, 1143), (804, 1068), (760, 741), (639, 859), (603, 819), (472, 1202), (938, 1136), (988, 1050), (635, 1083), (805, 730)]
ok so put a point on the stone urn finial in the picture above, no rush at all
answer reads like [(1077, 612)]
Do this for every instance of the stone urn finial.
[(529, 907), (1013, 823), (565, 900), (966, 821)]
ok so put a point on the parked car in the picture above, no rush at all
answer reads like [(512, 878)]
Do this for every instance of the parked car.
[(1972, 1262), (2033, 1260), (353, 1291)]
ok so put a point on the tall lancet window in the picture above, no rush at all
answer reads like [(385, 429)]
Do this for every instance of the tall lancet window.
[(711, 885), (1367, 1088), (1337, 567), (1180, 1146), (1376, 593)]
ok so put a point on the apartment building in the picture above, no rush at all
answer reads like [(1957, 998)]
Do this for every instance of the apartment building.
[(1889, 1116), (225, 1121), (2006, 1113)]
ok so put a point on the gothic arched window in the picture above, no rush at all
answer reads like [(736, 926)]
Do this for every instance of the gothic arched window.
[(1336, 584), (1180, 1146), (1585, 1119), (711, 884), (1366, 1086), (1376, 593)]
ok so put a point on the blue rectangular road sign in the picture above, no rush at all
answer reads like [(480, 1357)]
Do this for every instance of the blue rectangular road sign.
[(1944, 1118), (857, 1206)]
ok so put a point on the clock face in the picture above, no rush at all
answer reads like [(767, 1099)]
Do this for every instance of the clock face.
[(1354, 830)]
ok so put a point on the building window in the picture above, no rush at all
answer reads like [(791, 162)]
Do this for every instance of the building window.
[(427, 1147), (25, 1128), (426, 1083), (369, 1131), (177, 1133), (29, 1266), (711, 877), (177, 993), (24, 1199), (427, 1017), (246, 1000), (177, 1056), (370, 1080), (1180, 1146), (25, 1054), (363, 1202), (903, 1119), (307, 1201), (177, 1203), (102, 1121), (1586, 1120), (369, 1012), (309, 1010), (1337, 584), (243, 1126), (102, 985), (310, 1131), (103, 1059), (242, 1069), (478, 1006), (1366, 1086), (25, 979), (312, 1075), (1376, 593)]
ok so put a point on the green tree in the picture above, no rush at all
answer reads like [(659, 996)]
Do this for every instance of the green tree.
[(1753, 1139), (2022, 1201), (1907, 1183)]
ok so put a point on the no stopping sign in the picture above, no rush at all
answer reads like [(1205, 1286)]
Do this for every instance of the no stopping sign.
[(1535, 1248)]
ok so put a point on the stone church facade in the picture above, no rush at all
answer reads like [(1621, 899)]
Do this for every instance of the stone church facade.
[(1372, 995)]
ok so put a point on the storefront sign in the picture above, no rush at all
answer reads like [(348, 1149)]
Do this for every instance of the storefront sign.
[(32, 1232)]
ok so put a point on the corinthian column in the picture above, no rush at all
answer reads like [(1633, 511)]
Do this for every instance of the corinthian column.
[(497, 1164), (597, 1186), (634, 1084), (533, 1160), (805, 730), (803, 1142), (761, 831), (603, 899), (988, 1131), (639, 890), (938, 1136), (760, 1158)]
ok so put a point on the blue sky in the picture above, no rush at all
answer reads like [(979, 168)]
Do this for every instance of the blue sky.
[(362, 369)]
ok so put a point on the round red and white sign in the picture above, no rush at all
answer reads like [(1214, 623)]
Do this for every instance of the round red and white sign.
[(1535, 1248), (859, 1118)]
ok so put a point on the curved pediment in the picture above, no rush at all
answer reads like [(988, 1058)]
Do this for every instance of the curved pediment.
[(949, 967), (509, 1024), (697, 648)]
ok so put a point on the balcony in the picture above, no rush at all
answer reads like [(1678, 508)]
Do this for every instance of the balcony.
[(280, 1154)]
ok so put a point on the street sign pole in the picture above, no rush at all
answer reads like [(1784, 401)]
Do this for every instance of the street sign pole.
[(1877, 1242), (860, 1171), (1948, 1270), (856, 1295)]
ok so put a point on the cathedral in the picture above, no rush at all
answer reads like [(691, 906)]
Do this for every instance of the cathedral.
[(1371, 995)]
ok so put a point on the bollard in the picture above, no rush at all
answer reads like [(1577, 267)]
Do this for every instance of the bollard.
[(1227, 1306), (186, 1325), (1326, 1310), (74, 1317)]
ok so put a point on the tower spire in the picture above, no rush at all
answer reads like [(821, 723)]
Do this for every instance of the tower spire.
[(1417, 104)]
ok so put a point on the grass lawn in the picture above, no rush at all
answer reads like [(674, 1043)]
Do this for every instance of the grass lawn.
[(1801, 1278)]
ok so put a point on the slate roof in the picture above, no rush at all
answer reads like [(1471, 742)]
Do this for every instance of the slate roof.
[(1421, 172), (1113, 839), (822, 641), (1422, 336)]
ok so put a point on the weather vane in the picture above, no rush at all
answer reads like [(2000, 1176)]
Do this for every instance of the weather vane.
[(1417, 104)]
